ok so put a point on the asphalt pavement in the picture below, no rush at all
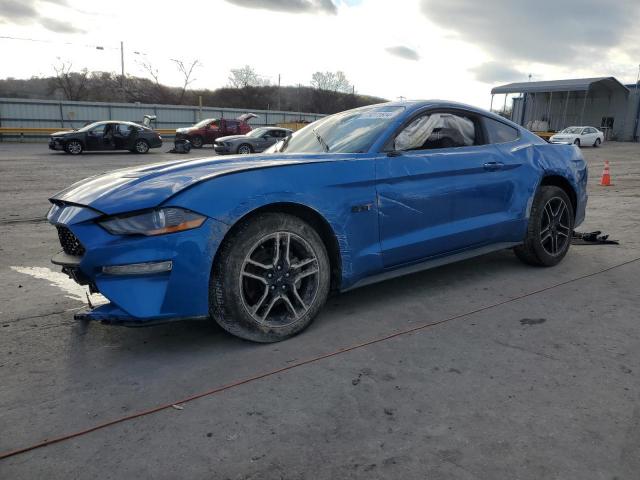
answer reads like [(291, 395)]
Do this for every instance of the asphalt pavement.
[(499, 370)]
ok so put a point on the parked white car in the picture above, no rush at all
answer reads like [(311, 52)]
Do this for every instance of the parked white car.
[(579, 136)]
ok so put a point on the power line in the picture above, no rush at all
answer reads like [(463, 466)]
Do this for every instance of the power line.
[(38, 40)]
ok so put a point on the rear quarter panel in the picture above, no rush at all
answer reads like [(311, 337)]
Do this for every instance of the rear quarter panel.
[(545, 159)]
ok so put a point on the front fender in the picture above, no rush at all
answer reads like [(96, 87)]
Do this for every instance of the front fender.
[(335, 190)]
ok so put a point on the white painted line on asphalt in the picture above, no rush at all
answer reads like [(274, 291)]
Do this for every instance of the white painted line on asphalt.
[(63, 282)]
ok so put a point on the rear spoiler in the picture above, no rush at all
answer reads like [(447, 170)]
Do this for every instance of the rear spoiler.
[(246, 117)]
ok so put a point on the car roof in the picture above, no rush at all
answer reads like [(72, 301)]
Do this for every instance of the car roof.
[(414, 105), (118, 121)]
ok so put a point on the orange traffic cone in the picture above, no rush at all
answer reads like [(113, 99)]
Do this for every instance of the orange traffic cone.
[(605, 180)]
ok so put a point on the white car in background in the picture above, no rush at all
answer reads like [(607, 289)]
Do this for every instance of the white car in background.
[(579, 136)]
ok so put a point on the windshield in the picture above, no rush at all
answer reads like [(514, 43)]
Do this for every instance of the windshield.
[(204, 123), (258, 132), (352, 131), (572, 130)]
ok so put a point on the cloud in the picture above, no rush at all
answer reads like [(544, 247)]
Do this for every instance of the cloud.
[(290, 6), (545, 31), (27, 11), (496, 72), (403, 52), (16, 11), (60, 26)]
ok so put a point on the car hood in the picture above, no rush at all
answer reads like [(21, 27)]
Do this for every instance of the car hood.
[(148, 186), (230, 138), (185, 130), (62, 133)]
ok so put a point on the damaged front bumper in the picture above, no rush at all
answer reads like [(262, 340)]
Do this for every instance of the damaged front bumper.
[(147, 279)]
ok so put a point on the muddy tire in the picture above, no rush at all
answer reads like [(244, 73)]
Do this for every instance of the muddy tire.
[(550, 227), (270, 279)]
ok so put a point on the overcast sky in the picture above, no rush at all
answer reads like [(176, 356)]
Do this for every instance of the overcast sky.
[(453, 49)]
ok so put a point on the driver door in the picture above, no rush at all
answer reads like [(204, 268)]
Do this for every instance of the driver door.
[(266, 140), (95, 137), (211, 131), (441, 188)]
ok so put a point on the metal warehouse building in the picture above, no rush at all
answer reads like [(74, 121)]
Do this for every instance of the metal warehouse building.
[(601, 102)]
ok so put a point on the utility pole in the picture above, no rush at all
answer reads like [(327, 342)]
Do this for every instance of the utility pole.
[(279, 107), (122, 70)]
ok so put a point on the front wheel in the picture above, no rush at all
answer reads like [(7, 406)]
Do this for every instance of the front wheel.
[(576, 142), (550, 227), (74, 147), (197, 141), (271, 278), (244, 149)]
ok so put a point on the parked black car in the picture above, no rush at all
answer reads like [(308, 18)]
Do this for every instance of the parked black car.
[(109, 135), (255, 141)]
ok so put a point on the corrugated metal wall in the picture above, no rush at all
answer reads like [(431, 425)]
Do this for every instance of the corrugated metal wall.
[(24, 113), (562, 112)]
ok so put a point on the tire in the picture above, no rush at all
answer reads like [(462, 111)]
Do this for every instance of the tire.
[(597, 143), (141, 146), (73, 147), (196, 141), (244, 149), (249, 280), (551, 220), (576, 142)]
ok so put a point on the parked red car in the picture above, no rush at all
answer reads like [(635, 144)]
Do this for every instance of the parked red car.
[(206, 131)]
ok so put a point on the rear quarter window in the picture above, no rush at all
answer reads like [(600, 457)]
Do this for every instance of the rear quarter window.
[(499, 132)]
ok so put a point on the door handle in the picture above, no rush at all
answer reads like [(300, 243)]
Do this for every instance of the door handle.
[(493, 166)]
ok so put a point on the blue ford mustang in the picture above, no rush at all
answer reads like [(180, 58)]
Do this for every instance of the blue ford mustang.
[(257, 243)]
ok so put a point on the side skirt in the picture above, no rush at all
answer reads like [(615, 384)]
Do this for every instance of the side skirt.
[(431, 263)]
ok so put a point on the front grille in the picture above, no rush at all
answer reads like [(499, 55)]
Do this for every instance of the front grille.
[(70, 243)]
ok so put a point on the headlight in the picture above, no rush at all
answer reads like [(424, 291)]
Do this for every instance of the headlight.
[(153, 222)]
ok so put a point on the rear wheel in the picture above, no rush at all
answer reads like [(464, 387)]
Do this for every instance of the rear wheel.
[(141, 146), (197, 142), (597, 143), (245, 149), (550, 227), (271, 278), (74, 147)]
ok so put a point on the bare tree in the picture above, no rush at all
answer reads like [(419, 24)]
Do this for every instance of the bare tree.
[(186, 70), (162, 94), (331, 81), (72, 84), (246, 77)]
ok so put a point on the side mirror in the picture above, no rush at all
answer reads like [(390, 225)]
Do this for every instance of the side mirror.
[(395, 153)]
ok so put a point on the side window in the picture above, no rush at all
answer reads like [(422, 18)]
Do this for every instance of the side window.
[(124, 129), (99, 130), (499, 132), (437, 130)]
